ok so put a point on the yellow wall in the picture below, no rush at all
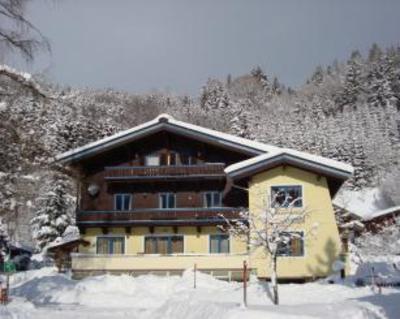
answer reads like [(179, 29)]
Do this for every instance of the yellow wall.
[(322, 242), (322, 246), (194, 242)]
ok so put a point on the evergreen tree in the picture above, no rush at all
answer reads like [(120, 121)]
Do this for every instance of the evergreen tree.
[(214, 96), (352, 84), (3, 240), (52, 215), (318, 75)]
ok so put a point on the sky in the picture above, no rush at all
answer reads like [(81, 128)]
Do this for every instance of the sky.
[(176, 45)]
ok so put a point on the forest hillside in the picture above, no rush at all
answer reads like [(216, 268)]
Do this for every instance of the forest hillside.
[(349, 111)]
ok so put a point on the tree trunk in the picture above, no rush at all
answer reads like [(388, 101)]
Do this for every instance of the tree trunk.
[(274, 281)]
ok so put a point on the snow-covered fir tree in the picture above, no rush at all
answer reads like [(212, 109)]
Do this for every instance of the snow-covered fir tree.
[(53, 212), (4, 239)]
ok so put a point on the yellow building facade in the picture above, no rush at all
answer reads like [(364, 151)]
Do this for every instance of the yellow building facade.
[(322, 246)]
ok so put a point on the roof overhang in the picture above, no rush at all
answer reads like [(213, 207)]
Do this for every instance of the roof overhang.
[(168, 124), (336, 172)]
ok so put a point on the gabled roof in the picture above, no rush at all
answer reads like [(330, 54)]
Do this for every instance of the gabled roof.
[(288, 156), (263, 155), (167, 123)]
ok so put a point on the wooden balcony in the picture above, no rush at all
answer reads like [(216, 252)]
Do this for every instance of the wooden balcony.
[(158, 217), (152, 173)]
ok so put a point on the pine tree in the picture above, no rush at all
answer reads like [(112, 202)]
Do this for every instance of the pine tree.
[(240, 123), (52, 215), (3, 240), (214, 96), (352, 84)]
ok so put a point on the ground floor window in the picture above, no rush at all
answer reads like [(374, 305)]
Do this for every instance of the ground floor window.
[(110, 245), (164, 244), (219, 244), (294, 245)]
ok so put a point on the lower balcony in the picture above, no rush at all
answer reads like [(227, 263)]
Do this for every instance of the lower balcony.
[(227, 266), (158, 217)]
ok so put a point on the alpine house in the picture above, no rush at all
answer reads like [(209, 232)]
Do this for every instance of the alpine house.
[(155, 198)]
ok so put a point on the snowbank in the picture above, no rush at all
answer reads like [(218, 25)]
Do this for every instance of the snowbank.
[(46, 294)]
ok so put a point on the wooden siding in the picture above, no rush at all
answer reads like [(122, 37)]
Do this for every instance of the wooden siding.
[(142, 173), (187, 216)]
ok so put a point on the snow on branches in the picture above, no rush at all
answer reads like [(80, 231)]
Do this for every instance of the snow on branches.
[(53, 212), (270, 227)]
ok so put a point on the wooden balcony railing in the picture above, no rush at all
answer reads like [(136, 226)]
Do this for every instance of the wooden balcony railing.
[(210, 170), (173, 217)]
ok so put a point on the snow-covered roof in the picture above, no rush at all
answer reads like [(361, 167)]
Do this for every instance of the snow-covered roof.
[(262, 153), (290, 156), (366, 204), (168, 123), (383, 212)]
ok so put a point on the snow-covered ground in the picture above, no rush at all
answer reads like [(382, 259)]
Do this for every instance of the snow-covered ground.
[(45, 294)]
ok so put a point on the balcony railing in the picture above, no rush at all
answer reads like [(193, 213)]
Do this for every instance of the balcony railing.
[(209, 170), (156, 216)]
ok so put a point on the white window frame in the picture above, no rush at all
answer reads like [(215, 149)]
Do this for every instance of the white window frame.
[(212, 199), (219, 234), (160, 200), (287, 185), (130, 202)]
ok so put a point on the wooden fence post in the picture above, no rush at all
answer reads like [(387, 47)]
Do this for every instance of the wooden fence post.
[(194, 277), (244, 283)]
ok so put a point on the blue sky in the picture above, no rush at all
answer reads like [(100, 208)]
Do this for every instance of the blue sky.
[(176, 45)]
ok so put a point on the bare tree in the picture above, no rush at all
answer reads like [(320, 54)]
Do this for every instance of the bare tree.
[(271, 228), (17, 33)]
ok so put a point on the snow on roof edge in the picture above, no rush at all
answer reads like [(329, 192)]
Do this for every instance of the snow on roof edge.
[(168, 119), (285, 151), (268, 150), (381, 213)]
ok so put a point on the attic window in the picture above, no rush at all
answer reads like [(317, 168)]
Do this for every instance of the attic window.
[(287, 196)]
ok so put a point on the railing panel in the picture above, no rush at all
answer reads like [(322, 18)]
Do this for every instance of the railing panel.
[(123, 172)]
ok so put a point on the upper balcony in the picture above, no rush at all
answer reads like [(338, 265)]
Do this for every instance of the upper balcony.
[(197, 216), (163, 173)]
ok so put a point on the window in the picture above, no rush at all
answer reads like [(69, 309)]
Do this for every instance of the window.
[(286, 196), (187, 159), (110, 245), (212, 199), (168, 159), (293, 246), (167, 200), (168, 244), (152, 160), (122, 201), (219, 244)]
